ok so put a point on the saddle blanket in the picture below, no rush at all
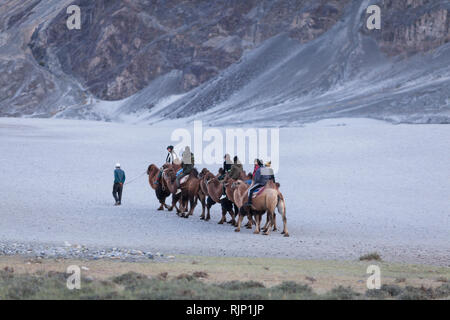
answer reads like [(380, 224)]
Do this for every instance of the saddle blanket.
[(258, 192), (184, 179)]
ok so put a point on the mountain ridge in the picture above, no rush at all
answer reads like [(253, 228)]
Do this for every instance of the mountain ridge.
[(271, 62)]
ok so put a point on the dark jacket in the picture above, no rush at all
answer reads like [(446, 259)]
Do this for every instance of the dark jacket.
[(119, 176), (263, 175), (227, 163), (227, 166), (236, 170)]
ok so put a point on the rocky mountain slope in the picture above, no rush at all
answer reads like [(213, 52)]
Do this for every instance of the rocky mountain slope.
[(281, 62)]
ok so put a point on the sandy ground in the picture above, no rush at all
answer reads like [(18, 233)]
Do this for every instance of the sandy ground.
[(351, 186)]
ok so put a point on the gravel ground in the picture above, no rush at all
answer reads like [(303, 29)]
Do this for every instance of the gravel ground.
[(77, 251), (352, 187)]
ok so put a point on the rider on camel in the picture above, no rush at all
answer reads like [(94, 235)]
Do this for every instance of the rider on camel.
[(236, 169), (170, 159), (258, 164), (260, 179), (187, 165), (227, 163)]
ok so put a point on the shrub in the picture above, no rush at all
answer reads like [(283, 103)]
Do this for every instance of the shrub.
[(240, 285), (373, 256), (293, 287), (342, 293)]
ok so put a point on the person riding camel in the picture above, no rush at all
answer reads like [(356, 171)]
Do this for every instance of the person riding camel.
[(187, 165), (227, 163), (236, 169), (258, 164), (170, 159), (260, 179), (171, 156), (234, 173)]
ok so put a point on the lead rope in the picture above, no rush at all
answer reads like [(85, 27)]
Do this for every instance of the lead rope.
[(133, 180)]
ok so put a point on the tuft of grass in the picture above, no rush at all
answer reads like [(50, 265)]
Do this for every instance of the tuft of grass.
[(200, 274), (386, 291), (343, 293), (240, 285), (293, 287), (413, 293), (442, 291), (185, 276), (373, 256), (129, 279), (163, 276)]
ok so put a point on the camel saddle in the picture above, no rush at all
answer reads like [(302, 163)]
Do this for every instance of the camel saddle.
[(258, 192)]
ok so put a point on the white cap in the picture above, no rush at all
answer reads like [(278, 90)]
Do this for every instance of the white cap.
[(117, 165)]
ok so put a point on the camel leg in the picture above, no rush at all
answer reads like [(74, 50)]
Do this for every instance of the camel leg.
[(161, 208), (233, 218), (193, 204), (264, 229), (224, 216), (234, 214), (250, 222), (174, 202), (208, 212), (183, 207), (164, 204), (202, 201), (270, 216), (179, 208), (238, 226), (258, 223), (285, 230)]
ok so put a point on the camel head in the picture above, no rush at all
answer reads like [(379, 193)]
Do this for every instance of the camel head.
[(209, 176), (228, 181), (203, 173), (151, 168), (235, 185), (170, 174)]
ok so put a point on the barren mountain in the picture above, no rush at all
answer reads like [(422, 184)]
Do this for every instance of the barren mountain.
[(275, 62)]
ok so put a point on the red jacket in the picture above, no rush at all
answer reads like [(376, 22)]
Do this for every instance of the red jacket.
[(255, 169)]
